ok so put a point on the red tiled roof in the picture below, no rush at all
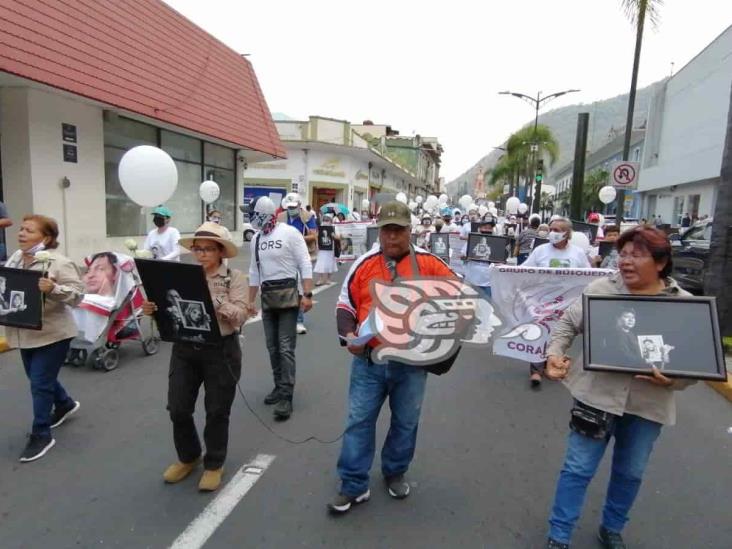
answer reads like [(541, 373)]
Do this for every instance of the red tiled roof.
[(141, 56)]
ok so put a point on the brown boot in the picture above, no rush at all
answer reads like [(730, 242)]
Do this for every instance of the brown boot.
[(179, 470), (211, 480)]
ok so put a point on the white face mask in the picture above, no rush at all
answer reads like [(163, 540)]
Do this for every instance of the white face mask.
[(556, 238)]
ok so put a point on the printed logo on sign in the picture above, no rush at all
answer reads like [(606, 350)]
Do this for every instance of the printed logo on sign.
[(423, 321)]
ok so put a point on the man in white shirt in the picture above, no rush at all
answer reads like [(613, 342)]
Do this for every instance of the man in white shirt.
[(162, 241), (279, 255), (559, 252)]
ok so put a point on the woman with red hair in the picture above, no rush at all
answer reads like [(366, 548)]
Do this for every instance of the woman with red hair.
[(630, 408), (43, 352)]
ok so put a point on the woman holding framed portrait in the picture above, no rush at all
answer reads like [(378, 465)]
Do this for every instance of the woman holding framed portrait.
[(43, 351), (630, 408)]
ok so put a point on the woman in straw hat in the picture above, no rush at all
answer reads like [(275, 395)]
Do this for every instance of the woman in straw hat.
[(217, 368)]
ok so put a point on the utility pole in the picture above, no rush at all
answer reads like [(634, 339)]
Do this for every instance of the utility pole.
[(537, 103), (578, 177)]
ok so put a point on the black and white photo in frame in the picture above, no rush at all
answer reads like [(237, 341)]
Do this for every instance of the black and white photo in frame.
[(185, 310), (440, 245), (372, 236), (21, 302), (589, 229), (487, 248), (325, 237), (632, 334)]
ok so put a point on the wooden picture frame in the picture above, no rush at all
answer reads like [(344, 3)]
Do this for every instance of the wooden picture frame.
[(629, 334)]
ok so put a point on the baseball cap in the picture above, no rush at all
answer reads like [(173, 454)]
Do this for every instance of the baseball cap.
[(394, 213), (291, 200), (162, 211)]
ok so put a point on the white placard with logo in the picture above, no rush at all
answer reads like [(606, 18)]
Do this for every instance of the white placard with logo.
[(529, 301)]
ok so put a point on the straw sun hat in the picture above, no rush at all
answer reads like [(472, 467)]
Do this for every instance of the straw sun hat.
[(211, 231)]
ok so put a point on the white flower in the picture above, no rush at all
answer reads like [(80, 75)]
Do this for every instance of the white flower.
[(143, 254), (131, 244), (42, 256)]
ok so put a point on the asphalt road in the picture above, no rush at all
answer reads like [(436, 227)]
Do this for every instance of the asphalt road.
[(489, 451)]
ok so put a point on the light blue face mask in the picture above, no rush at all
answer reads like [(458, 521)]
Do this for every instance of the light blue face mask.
[(293, 212)]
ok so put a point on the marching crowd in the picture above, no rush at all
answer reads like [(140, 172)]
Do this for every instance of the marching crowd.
[(285, 258)]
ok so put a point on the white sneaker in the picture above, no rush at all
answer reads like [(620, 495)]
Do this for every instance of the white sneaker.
[(301, 329)]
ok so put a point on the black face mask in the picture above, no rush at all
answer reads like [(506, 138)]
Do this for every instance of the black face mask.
[(159, 221)]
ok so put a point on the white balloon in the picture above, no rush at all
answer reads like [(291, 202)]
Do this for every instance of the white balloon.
[(493, 211), (431, 202), (419, 199), (512, 205), (491, 205), (443, 199), (581, 240), (412, 204), (209, 191), (365, 204), (607, 194), (482, 210), (522, 208), (148, 175), (465, 201), (401, 197)]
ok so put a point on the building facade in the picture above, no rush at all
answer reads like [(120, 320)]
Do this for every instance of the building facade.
[(332, 160), (69, 110), (686, 134)]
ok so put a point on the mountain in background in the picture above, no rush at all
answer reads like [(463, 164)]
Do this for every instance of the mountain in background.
[(606, 116)]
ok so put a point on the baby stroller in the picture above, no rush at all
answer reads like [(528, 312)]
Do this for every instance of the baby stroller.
[(112, 316)]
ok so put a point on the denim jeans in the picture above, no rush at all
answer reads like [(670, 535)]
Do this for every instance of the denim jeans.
[(634, 439), (485, 290), (218, 369), (42, 365), (300, 316), (520, 258), (280, 332), (370, 385)]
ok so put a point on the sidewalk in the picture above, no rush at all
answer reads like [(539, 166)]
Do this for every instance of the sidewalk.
[(724, 387)]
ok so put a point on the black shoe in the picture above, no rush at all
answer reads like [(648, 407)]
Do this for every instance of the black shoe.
[(342, 503), (60, 414), (610, 540), (273, 397), (283, 410), (397, 486), (552, 544), (37, 447)]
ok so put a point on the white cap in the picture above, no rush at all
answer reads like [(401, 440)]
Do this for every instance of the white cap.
[(291, 200), (264, 205)]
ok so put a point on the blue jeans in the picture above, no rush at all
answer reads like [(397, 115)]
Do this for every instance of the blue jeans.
[(42, 365), (634, 438), (300, 316), (485, 290), (520, 258), (370, 385)]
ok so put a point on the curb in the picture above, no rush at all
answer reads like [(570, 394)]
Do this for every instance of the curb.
[(724, 388)]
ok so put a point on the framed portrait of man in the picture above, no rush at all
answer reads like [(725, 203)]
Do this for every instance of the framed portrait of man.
[(440, 245), (632, 334), (185, 311), (325, 237), (487, 248), (21, 302)]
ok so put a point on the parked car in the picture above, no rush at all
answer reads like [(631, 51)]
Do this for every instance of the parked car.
[(690, 253)]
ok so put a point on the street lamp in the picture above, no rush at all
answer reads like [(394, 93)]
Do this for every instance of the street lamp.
[(537, 102)]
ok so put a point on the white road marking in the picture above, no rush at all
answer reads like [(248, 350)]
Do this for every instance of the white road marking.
[(316, 291), (205, 524)]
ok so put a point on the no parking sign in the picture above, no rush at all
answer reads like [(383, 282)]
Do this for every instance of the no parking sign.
[(624, 174)]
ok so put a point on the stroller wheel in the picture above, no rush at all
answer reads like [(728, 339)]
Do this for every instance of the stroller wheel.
[(106, 359), (150, 345)]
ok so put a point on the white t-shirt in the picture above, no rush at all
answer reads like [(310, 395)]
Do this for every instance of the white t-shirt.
[(164, 245), (282, 254), (478, 273), (546, 255)]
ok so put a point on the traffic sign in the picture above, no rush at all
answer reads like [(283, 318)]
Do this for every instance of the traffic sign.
[(624, 174)]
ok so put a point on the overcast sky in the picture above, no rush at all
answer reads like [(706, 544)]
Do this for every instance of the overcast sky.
[(435, 68)]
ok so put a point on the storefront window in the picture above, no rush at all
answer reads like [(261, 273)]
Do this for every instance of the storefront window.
[(125, 218)]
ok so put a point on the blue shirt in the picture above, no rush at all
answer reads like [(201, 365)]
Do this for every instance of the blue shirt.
[(299, 225)]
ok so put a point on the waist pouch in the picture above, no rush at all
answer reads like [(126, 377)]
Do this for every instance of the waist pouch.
[(591, 422), (280, 294)]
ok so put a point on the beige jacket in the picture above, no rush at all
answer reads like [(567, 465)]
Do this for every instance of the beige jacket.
[(615, 393), (230, 287), (58, 321)]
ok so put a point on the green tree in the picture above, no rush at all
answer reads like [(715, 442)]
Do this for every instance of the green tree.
[(594, 181)]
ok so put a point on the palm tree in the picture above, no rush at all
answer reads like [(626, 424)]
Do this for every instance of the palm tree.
[(637, 11), (718, 278), (516, 164)]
